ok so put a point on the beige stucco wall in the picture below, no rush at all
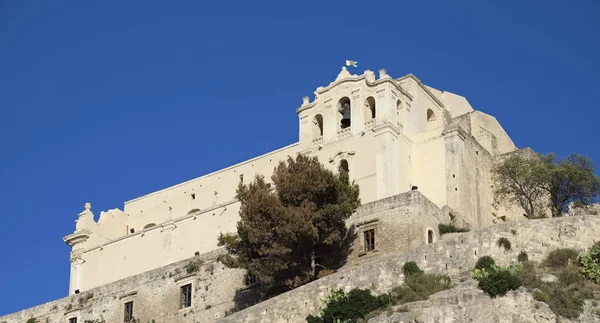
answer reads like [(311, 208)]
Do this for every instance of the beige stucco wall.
[(401, 147)]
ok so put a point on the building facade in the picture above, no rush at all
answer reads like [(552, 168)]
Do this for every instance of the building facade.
[(394, 135)]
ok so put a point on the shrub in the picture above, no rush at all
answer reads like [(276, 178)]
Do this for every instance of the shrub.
[(560, 258), (449, 228), (350, 306), (562, 301), (498, 283), (590, 263), (523, 257), (504, 243), (411, 268), (485, 262), (32, 320), (426, 284)]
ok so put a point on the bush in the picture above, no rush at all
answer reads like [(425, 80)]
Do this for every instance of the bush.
[(560, 258), (349, 306), (504, 242), (449, 228), (485, 262), (498, 283), (411, 268), (590, 263), (523, 257)]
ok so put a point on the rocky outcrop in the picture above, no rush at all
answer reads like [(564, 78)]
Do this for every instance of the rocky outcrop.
[(467, 303)]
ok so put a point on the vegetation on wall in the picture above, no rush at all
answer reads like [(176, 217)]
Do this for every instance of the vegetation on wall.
[(563, 280), (358, 305), (449, 228), (544, 181), (287, 236)]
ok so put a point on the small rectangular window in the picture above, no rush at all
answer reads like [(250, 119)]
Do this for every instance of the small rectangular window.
[(251, 279), (73, 320), (369, 236), (128, 312), (186, 296)]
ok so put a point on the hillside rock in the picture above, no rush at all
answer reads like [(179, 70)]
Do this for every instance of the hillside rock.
[(466, 303)]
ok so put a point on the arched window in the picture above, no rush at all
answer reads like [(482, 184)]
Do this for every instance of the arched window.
[(369, 112), (430, 115), (344, 112), (149, 225), (429, 236), (344, 166), (317, 126)]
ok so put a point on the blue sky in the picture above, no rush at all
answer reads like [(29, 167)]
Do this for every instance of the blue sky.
[(104, 101)]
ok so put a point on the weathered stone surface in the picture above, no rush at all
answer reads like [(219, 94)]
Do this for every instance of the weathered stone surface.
[(454, 255), (466, 303)]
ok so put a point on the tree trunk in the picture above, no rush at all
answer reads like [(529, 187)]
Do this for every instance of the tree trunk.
[(312, 263)]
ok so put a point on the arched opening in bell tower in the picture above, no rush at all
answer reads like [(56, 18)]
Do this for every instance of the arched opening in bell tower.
[(317, 126), (344, 112), (369, 111)]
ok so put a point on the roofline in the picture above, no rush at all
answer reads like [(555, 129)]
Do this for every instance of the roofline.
[(420, 83), (214, 173)]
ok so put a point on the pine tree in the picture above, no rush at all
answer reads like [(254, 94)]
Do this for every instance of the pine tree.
[(288, 234)]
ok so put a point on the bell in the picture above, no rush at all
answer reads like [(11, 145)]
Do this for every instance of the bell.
[(346, 116)]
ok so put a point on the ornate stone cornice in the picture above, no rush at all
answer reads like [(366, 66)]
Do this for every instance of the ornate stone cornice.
[(353, 78), (77, 237)]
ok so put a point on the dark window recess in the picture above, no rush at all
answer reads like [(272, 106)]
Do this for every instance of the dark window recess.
[(186, 296), (242, 178), (369, 240), (128, 312), (193, 196), (429, 236), (251, 279), (73, 320)]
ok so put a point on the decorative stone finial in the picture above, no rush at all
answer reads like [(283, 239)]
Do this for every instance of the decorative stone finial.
[(343, 74), (383, 74), (305, 100), (88, 206)]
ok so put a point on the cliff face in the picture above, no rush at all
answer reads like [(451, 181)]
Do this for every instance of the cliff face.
[(467, 303)]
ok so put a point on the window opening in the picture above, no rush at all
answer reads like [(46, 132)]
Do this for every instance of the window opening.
[(186, 296), (369, 240), (128, 311)]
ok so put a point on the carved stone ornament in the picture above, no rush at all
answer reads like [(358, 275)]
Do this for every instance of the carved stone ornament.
[(342, 155), (76, 257)]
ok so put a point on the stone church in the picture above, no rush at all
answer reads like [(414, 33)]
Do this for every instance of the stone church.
[(420, 156)]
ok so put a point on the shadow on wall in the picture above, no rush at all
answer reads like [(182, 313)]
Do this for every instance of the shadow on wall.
[(336, 258)]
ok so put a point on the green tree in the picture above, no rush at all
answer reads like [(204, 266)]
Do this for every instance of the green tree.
[(520, 180), (571, 179), (287, 235), (534, 182)]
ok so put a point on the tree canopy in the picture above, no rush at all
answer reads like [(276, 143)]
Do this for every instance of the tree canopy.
[(288, 234), (540, 182)]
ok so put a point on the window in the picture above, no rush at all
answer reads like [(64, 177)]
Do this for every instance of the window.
[(344, 112), (73, 320), (128, 312), (429, 236), (317, 126), (430, 115), (369, 112), (186, 296), (344, 166), (369, 240), (251, 279)]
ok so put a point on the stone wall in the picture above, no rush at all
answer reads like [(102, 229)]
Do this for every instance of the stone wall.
[(155, 295), (401, 223), (454, 255)]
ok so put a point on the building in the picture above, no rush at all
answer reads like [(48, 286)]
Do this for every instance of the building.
[(394, 135)]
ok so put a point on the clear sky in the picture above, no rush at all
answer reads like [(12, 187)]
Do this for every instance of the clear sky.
[(105, 101)]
